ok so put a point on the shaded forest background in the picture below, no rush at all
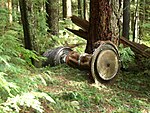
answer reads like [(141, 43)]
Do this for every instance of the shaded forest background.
[(30, 27)]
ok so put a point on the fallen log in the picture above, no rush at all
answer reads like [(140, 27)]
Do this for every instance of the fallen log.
[(138, 49)]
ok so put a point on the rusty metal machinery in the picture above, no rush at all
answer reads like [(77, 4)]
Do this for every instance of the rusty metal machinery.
[(56, 56), (103, 64)]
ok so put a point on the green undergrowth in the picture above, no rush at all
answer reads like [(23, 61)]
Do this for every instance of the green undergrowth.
[(62, 89), (73, 92)]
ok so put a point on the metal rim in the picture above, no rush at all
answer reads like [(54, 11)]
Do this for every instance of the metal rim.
[(56, 56), (94, 64), (60, 52), (107, 66)]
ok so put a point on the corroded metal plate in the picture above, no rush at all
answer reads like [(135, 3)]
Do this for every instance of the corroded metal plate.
[(107, 64)]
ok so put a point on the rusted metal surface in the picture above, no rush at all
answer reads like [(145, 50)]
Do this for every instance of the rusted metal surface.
[(56, 56), (80, 61), (103, 63)]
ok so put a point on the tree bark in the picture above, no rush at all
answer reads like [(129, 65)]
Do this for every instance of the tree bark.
[(10, 11), (126, 18), (85, 10), (116, 23), (64, 6), (100, 19), (52, 11), (135, 29), (67, 9), (79, 8), (25, 22)]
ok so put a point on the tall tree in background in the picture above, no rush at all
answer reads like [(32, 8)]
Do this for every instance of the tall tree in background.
[(80, 8), (67, 9), (9, 3), (143, 17), (85, 9), (25, 23), (126, 18), (52, 11), (135, 22), (100, 19)]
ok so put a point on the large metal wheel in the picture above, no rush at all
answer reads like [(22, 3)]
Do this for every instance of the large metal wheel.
[(105, 62)]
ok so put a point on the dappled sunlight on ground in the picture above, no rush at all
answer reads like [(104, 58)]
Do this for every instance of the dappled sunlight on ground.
[(70, 88)]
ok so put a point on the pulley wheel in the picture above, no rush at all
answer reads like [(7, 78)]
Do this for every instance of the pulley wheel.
[(105, 62)]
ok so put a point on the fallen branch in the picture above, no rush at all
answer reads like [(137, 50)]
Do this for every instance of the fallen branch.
[(84, 24), (137, 48), (73, 45), (79, 33)]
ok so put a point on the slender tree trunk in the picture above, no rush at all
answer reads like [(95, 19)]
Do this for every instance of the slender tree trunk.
[(64, 5), (141, 17), (10, 11), (135, 22), (85, 9), (126, 18), (147, 10), (67, 9), (100, 20), (79, 8), (52, 11), (25, 22)]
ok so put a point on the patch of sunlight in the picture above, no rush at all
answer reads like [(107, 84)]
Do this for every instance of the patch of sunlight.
[(101, 87), (75, 83), (42, 79), (146, 43)]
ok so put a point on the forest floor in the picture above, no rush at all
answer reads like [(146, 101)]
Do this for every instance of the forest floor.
[(73, 92)]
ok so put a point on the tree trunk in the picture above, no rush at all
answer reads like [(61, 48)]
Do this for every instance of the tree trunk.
[(135, 26), (100, 19), (147, 12), (25, 22), (116, 23), (52, 11), (126, 18), (85, 9), (10, 11), (67, 9), (141, 17), (79, 8)]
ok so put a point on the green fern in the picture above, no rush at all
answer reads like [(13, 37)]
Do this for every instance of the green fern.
[(8, 86), (126, 55), (26, 100)]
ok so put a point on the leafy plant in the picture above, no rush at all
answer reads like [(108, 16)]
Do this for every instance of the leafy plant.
[(29, 100), (127, 56), (7, 86), (13, 53)]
